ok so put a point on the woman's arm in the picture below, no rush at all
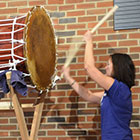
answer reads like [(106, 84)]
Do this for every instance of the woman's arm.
[(89, 63), (82, 91)]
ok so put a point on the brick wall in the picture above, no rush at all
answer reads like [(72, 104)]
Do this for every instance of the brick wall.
[(66, 116)]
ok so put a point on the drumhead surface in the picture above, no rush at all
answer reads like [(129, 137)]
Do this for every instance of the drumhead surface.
[(40, 48)]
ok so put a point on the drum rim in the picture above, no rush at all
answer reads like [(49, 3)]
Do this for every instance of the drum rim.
[(29, 15)]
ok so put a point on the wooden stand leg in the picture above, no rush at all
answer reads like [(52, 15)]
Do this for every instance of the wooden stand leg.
[(18, 111), (20, 115), (37, 117)]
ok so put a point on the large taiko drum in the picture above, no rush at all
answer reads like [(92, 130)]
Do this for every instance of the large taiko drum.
[(28, 42)]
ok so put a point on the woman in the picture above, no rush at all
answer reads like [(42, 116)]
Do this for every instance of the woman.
[(115, 100)]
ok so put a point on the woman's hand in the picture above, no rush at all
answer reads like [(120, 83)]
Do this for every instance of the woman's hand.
[(66, 72), (88, 36)]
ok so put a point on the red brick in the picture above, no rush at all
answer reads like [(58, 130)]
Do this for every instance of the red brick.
[(55, 1), (55, 21), (81, 59), (76, 13), (50, 113), (74, 1), (85, 6), (59, 106), (107, 44), (105, 4), (92, 25), (8, 127), (67, 138), (48, 138), (135, 97), (87, 19), (15, 134), (61, 41), (134, 35), (135, 90), (76, 26), (3, 121), (66, 7), (86, 125), (66, 99), (117, 37), (79, 119), (59, 27), (8, 11), (63, 47), (95, 118), (106, 31), (8, 113), (103, 58), (17, 3), (136, 137), (77, 66), (137, 62), (3, 17), (51, 8), (96, 11), (24, 10), (91, 105), (3, 133), (67, 113), (82, 72), (99, 38), (94, 132), (89, 85), (81, 32), (56, 93), (57, 133), (138, 76), (2, 4), (128, 43), (135, 49), (136, 103), (34, 3), (8, 138), (89, 0), (100, 51), (136, 131), (135, 110), (48, 126)]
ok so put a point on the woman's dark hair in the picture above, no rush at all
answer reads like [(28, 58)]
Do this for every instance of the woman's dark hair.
[(123, 69)]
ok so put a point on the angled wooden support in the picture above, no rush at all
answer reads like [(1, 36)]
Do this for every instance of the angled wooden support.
[(18, 110), (37, 117), (20, 115)]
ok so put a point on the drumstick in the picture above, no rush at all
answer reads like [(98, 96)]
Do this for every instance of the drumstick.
[(73, 51), (105, 18)]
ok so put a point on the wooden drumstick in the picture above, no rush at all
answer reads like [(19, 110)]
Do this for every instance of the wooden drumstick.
[(105, 18), (73, 51)]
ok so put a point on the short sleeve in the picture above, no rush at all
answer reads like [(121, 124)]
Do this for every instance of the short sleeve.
[(119, 91), (114, 88)]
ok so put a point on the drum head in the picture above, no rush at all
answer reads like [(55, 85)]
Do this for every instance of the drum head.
[(40, 48)]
